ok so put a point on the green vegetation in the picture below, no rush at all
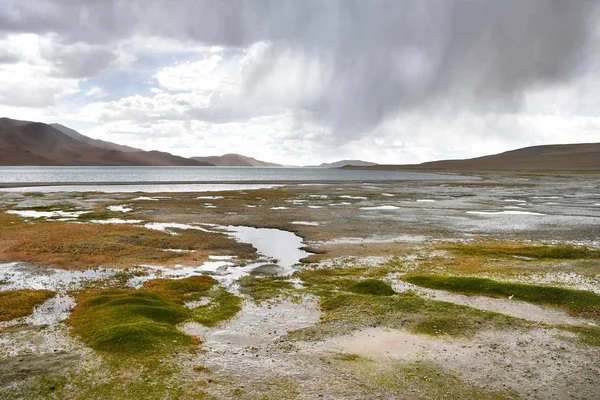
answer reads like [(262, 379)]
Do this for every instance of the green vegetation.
[(587, 335), (372, 286), (576, 302), (539, 252), (418, 380), (181, 290), (347, 312), (129, 322), (20, 303), (41, 387), (346, 357), (265, 288), (144, 321), (224, 306), (325, 282)]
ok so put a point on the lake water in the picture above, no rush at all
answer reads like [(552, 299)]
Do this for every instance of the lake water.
[(183, 179)]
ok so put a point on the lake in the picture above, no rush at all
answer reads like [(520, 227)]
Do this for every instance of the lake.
[(184, 179)]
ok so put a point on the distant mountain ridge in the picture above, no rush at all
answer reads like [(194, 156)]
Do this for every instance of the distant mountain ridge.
[(235, 160), (36, 143), (560, 157), (343, 163), (93, 142)]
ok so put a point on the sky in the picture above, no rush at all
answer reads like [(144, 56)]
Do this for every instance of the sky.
[(301, 82)]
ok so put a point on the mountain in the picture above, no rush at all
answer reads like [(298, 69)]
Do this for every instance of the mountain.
[(235, 160), (343, 163), (565, 157), (35, 143), (93, 142)]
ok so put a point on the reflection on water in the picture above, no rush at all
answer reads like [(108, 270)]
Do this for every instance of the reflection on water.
[(283, 246)]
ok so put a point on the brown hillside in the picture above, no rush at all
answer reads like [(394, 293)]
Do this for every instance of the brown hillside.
[(34, 143)]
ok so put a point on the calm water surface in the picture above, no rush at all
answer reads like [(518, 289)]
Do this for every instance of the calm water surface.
[(178, 179), (200, 174)]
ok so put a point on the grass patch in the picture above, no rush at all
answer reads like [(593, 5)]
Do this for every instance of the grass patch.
[(538, 252), (326, 282), (586, 335), (182, 290), (129, 322), (419, 380), (347, 357), (223, 307), (20, 303), (344, 313), (373, 287), (82, 246), (144, 321), (264, 288), (576, 302), (42, 387)]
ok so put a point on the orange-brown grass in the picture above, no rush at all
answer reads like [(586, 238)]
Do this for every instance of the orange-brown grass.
[(190, 288), (20, 303), (80, 246)]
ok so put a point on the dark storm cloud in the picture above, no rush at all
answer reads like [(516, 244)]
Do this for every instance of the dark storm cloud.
[(383, 56)]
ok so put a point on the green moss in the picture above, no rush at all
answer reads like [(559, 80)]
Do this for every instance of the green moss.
[(129, 321), (576, 302), (347, 357), (586, 335), (20, 303), (143, 321), (347, 312), (419, 380), (41, 387), (373, 287), (540, 252), (264, 288), (224, 306)]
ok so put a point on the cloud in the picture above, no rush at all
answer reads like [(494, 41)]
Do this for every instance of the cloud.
[(390, 77)]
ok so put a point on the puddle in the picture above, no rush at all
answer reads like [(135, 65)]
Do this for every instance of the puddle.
[(387, 194), (376, 342), (210, 197), (380, 208), (116, 221), (315, 206), (52, 311), (279, 208), (378, 239), (18, 276), (145, 198), (425, 201), (309, 223), (353, 197), (169, 226), (257, 325), (120, 208), (46, 214), (504, 213), (275, 244), (221, 258)]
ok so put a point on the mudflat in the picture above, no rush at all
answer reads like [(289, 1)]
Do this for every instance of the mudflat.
[(487, 287)]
